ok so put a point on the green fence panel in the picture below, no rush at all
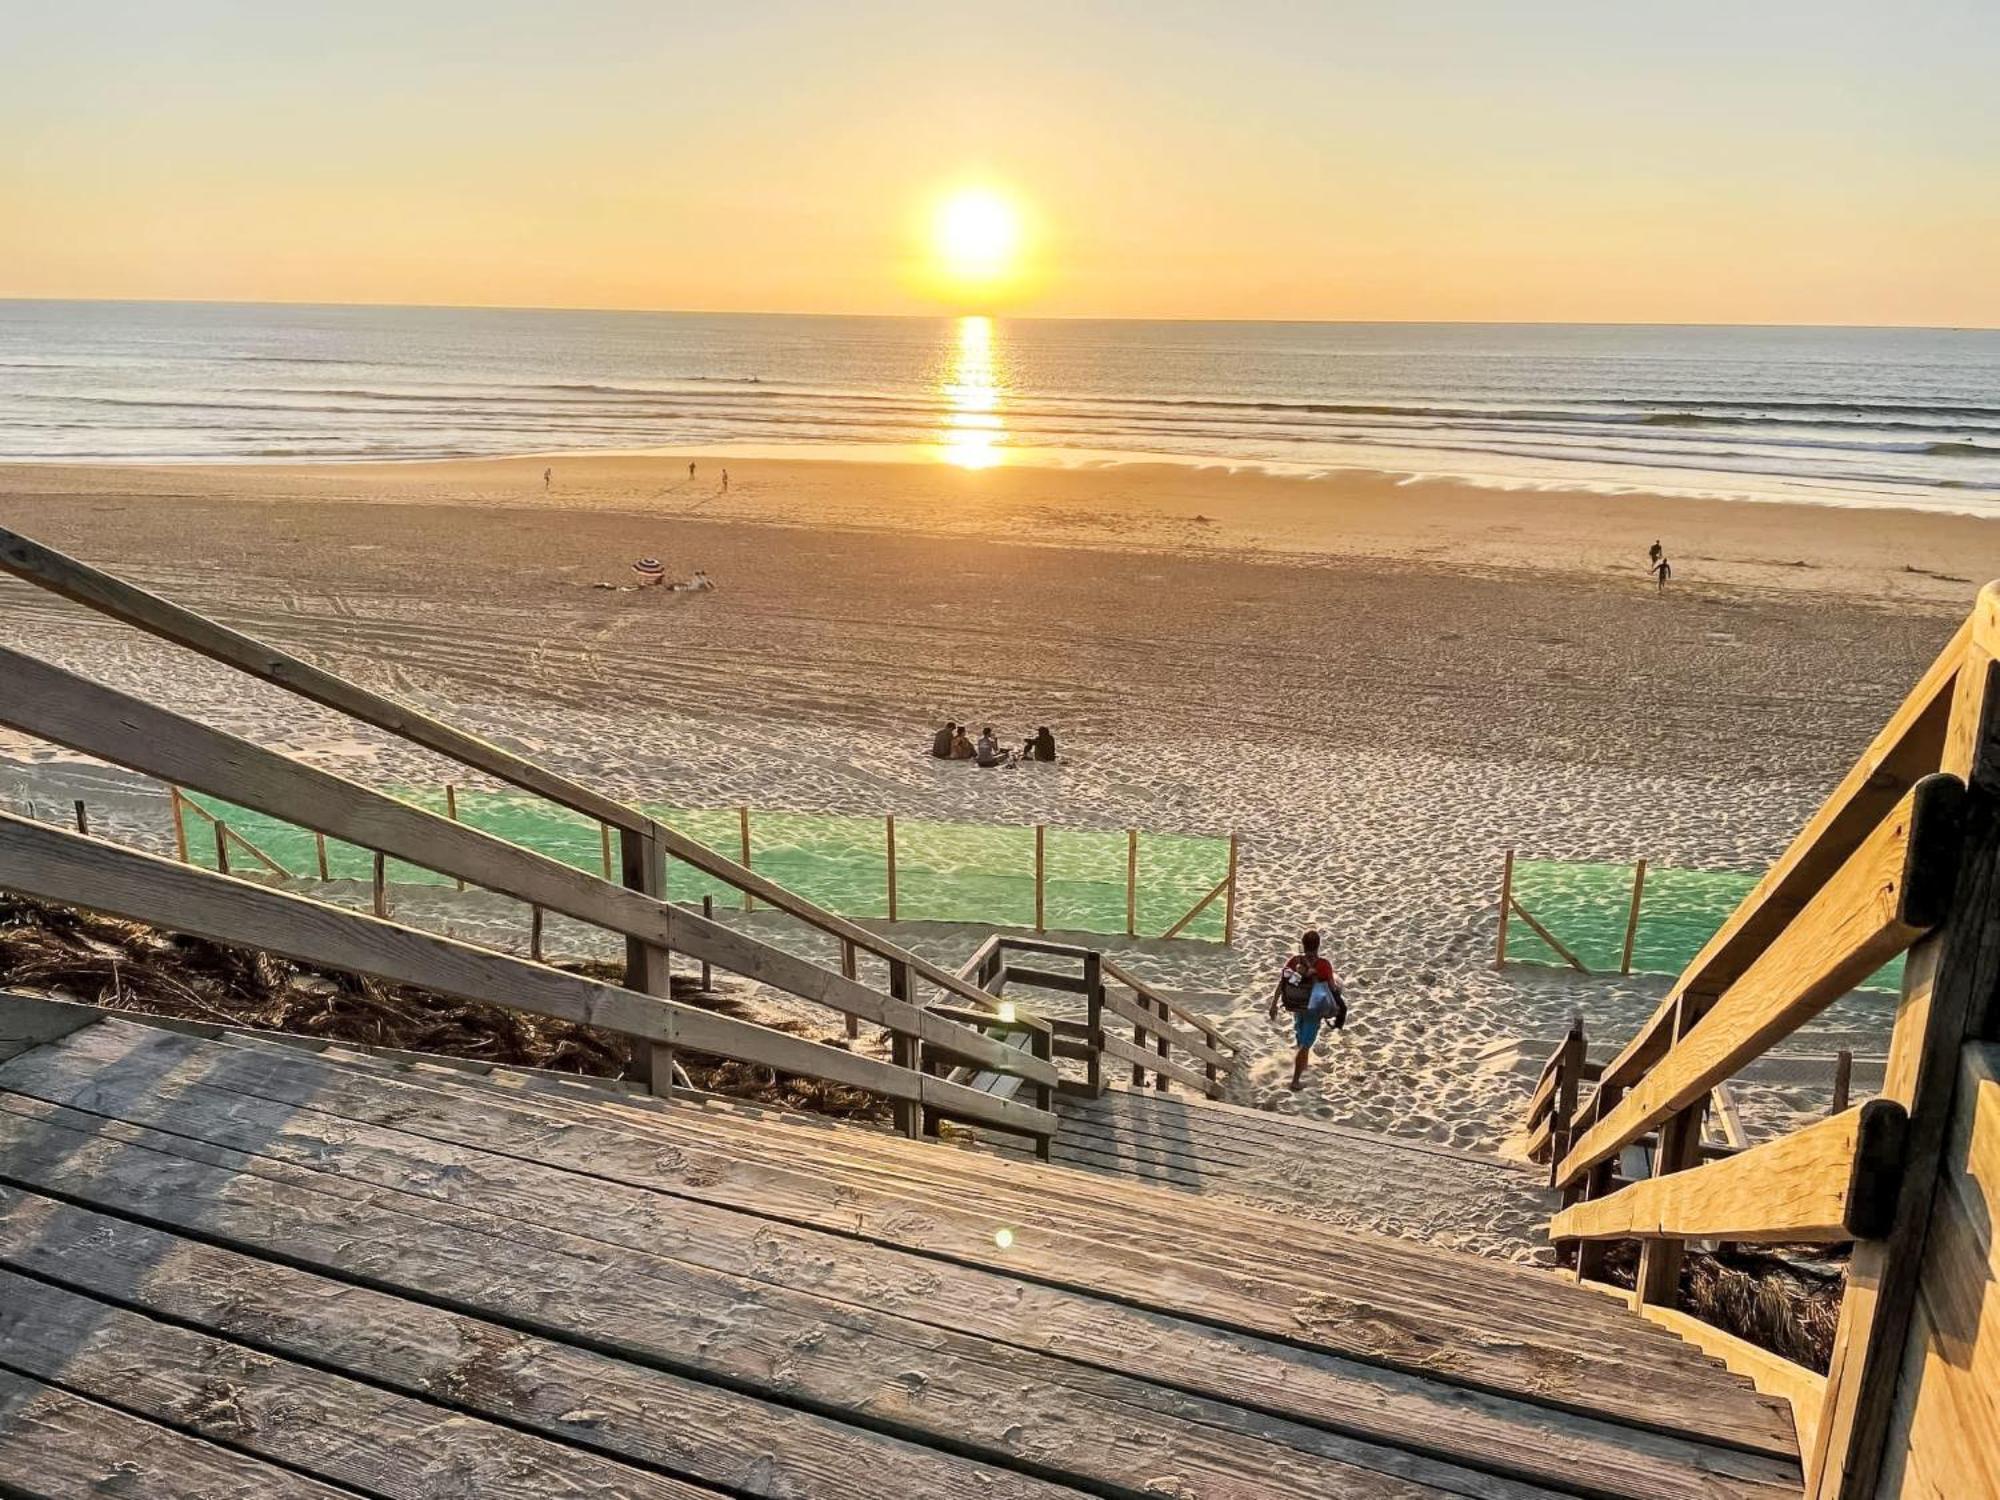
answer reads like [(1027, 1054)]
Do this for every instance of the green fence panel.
[(1586, 905)]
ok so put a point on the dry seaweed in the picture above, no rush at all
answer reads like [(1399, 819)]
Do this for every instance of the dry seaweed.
[(129, 966), (1788, 1305)]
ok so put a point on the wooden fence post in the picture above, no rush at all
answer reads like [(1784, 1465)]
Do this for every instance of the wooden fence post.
[(1632, 920), (1160, 1080), (1678, 1148), (221, 830), (743, 843), (82, 818), (381, 884), (1569, 1074), (450, 811), (1506, 909), (1131, 882), (1229, 900), (1843, 1079), (849, 964), (648, 967), (180, 823), (889, 832), (903, 1052), (535, 933), (1093, 996), (1041, 868), (319, 850), (604, 846), (707, 968)]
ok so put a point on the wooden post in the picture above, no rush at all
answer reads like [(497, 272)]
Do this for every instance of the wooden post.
[(1569, 1074), (1659, 1276), (707, 968), (535, 933), (849, 963), (180, 823), (1843, 1079), (1139, 1041), (381, 884), (221, 830), (889, 831), (903, 1052), (319, 853), (1229, 900), (1131, 882), (1093, 995), (1949, 973), (1160, 1080), (743, 840), (648, 966), (1041, 868), (604, 844), (450, 811), (1506, 909), (1632, 920), (82, 818)]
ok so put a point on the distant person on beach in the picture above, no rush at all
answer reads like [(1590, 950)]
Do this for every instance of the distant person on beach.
[(1654, 553), (1662, 571), (1309, 989), (989, 752), (1041, 746), (690, 468), (725, 481), (961, 745), (548, 478), (941, 742)]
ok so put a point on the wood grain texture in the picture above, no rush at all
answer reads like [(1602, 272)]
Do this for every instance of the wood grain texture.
[(60, 866), (1802, 1187)]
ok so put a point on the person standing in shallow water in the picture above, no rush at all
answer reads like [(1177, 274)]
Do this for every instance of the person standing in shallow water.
[(1662, 571)]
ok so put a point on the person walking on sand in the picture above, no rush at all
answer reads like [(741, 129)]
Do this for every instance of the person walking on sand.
[(1311, 991), (690, 468), (1662, 571), (725, 481), (1654, 553), (548, 478)]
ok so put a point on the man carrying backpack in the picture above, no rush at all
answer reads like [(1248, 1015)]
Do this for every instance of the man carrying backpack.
[(1310, 990)]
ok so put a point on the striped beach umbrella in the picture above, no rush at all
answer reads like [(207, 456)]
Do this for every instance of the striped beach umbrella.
[(650, 570)]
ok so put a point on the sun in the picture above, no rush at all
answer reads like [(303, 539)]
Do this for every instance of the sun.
[(976, 239)]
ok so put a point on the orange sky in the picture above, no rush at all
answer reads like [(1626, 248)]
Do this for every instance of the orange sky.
[(1455, 159)]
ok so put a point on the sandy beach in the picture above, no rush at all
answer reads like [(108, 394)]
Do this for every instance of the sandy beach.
[(1378, 685)]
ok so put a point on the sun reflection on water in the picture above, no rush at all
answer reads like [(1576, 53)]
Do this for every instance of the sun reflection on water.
[(973, 435)]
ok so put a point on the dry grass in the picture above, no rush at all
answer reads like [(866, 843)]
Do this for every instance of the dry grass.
[(129, 966), (1774, 1301)]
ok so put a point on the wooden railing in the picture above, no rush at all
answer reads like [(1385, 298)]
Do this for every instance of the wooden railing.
[(1192, 1053), (1905, 855), (57, 705)]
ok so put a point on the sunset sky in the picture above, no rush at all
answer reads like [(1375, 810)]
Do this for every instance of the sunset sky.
[(1406, 159)]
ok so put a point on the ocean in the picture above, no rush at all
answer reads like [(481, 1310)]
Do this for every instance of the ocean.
[(1872, 416)]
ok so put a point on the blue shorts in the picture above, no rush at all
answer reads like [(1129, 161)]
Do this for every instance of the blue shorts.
[(1305, 1028)]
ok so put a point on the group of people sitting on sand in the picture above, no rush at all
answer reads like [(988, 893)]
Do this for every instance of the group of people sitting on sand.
[(954, 742)]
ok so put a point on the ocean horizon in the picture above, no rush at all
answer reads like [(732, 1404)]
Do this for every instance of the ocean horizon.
[(1850, 416)]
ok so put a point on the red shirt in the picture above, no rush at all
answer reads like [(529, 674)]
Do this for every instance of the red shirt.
[(1315, 968)]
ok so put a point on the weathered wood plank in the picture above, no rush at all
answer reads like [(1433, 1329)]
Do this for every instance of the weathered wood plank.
[(1079, 1246), (1886, 894), (72, 711), (58, 1446), (1193, 1045), (629, 1410), (999, 1404), (1117, 971), (1826, 1184), (66, 867), (321, 1424), (1772, 1374), (1113, 1045)]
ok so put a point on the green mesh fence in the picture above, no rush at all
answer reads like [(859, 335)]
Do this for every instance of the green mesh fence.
[(945, 872), (1586, 907)]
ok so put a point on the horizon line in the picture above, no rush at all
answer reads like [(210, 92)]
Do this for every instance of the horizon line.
[(957, 316)]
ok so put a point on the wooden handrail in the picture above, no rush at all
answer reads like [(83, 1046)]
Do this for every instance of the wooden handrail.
[(1886, 894), (1828, 1183), (75, 580), (71, 869), (1908, 748), (1117, 971), (69, 710)]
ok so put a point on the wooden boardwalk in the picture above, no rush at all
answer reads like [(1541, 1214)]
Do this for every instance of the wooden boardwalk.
[(229, 1267), (1330, 1173)]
